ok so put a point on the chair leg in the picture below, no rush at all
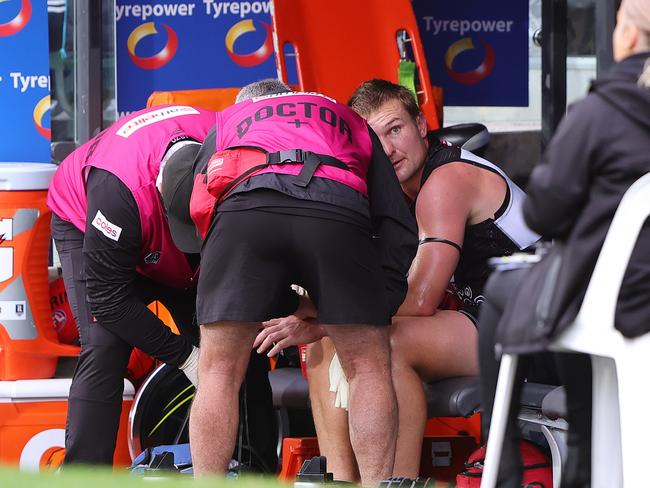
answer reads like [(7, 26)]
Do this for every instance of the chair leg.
[(633, 397), (499, 421), (606, 452), (557, 444)]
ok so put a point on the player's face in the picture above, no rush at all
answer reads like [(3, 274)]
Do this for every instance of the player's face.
[(402, 137)]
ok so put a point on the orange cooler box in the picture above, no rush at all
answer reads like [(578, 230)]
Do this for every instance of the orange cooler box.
[(29, 346), (32, 423)]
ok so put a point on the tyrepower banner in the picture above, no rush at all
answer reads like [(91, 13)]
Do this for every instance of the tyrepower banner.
[(477, 50), (182, 45), (24, 82)]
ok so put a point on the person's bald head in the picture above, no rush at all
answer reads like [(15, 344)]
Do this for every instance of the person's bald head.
[(632, 32), (637, 12)]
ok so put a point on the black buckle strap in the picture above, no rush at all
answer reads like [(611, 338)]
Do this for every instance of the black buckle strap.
[(308, 159), (309, 167), (287, 156)]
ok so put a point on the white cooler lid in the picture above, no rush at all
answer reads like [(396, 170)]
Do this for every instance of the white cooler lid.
[(26, 176), (56, 389)]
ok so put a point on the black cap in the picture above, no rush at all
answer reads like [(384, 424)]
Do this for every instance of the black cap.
[(177, 184)]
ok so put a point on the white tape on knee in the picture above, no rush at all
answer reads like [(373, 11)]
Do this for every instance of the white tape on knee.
[(339, 383)]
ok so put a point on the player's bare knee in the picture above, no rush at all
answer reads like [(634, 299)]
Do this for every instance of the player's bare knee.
[(369, 368)]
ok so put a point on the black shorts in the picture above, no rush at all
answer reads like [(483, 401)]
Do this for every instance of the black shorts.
[(471, 298), (252, 257)]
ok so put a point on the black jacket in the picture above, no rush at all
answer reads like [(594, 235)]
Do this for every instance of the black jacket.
[(601, 147)]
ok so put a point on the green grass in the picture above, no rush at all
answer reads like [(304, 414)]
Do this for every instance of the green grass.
[(102, 478)]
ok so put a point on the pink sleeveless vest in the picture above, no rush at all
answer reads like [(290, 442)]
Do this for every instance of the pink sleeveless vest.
[(132, 150), (307, 121)]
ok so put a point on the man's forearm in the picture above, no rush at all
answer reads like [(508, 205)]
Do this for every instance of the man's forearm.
[(140, 327)]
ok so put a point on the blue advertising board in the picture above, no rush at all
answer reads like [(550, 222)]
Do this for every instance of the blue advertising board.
[(477, 51), (24, 82), (185, 44)]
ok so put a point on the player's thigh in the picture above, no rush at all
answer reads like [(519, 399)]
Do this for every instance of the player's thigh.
[(439, 346)]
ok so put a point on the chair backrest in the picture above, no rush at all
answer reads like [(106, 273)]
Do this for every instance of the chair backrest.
[(596, 315), (341, 43)]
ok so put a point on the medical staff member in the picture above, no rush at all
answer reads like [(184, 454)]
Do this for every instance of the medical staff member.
[(110, 228), (326, 214)]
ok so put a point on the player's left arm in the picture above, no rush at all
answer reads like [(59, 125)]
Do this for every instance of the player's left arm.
[(443, 208)]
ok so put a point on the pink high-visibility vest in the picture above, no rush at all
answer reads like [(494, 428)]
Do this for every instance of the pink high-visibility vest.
[(305, 121), (132, 150)]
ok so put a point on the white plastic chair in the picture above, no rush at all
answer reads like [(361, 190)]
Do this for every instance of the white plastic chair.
[(620, 365)]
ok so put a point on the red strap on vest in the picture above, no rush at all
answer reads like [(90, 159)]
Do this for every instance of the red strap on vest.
[(202, 205), (227, 168)]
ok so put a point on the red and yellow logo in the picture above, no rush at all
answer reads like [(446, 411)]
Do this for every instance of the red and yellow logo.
[(41, 107), (19, 21), (258, 56), (478, 74), (159, 59)]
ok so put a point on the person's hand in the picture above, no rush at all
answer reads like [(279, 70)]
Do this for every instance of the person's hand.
[(287, 331), (306, 309)]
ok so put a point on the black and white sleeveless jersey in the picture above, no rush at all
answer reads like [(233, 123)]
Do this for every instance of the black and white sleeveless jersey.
[(502, 235)]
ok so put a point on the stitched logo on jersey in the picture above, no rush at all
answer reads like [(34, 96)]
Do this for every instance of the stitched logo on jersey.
[(109, 229), (466, 295), (152, 257), (149, 118)]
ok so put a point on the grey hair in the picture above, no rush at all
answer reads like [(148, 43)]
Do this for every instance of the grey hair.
[(269, 86)]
